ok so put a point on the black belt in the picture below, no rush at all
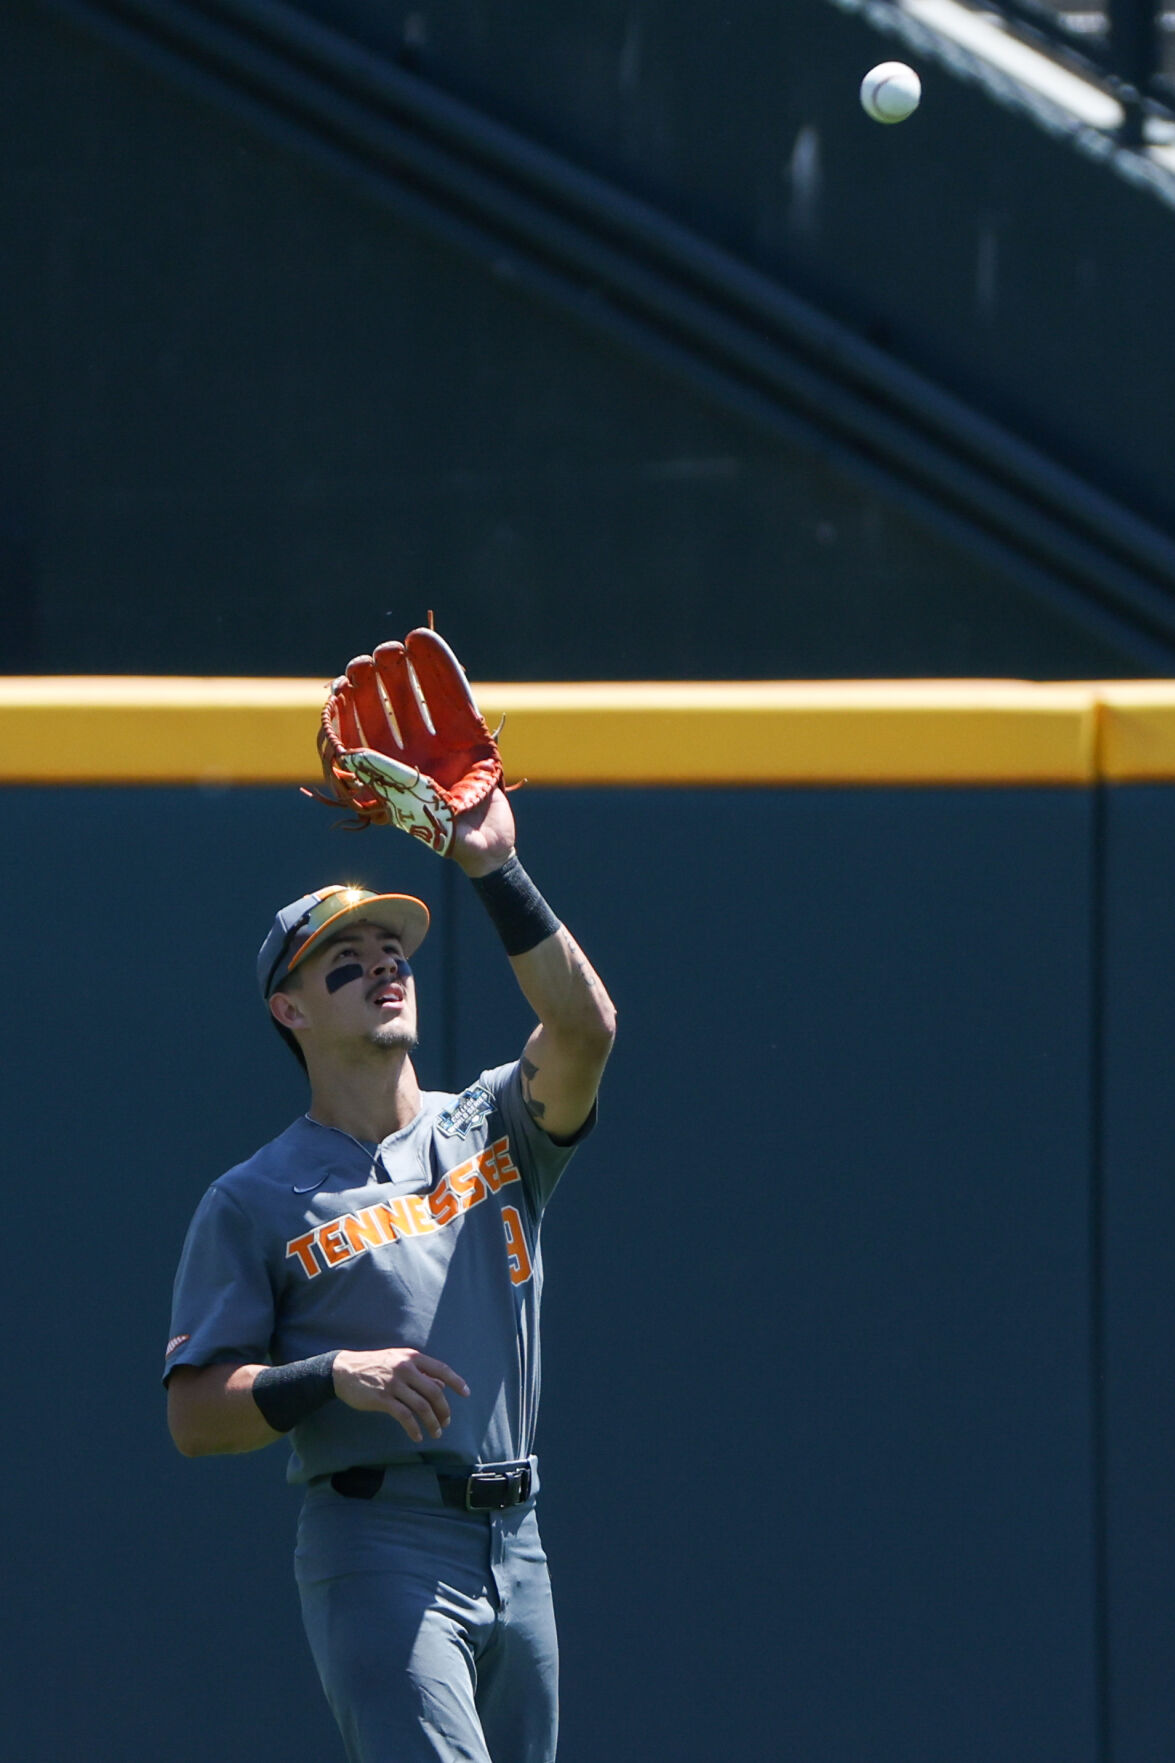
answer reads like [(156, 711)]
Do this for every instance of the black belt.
[(487, 1489)]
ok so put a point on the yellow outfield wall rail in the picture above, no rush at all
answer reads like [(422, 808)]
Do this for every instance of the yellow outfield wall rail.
[(61, 729)]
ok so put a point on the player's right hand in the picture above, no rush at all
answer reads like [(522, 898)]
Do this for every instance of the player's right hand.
[(399, 1381)]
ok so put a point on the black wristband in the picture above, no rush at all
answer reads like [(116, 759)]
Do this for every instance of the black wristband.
[(518, 911), (286, 1394)]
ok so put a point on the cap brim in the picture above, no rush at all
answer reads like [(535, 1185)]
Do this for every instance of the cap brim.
[(402, 914)]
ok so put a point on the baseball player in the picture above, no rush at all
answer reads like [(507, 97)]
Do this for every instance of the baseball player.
[(367, 1285)]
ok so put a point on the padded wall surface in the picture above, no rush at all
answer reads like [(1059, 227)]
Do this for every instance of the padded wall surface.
[(1139, 1212), (816, 1432)]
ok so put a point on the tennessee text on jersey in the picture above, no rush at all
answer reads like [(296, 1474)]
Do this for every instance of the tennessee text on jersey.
[(341, 1239)]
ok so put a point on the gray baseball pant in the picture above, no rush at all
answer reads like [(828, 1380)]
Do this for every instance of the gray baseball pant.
[(433, 1630)]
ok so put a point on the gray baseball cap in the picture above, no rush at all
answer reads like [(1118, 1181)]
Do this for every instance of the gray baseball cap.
[(304, 923)]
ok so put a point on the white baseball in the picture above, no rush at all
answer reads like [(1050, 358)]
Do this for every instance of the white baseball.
[(890, 92)]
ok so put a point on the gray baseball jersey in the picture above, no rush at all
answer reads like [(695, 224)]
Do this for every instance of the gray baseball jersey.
[(428, 1240)]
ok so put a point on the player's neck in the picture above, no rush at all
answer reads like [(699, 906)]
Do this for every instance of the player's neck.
[(368, 1101)]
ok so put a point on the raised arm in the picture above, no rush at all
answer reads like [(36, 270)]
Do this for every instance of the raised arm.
[(564, 1058), (403, 741)]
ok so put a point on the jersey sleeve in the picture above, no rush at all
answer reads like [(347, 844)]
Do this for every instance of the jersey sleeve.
[(223, 1303), (541, 1159)]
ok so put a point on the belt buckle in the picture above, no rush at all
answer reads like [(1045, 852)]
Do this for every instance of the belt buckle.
[(504, 1481)]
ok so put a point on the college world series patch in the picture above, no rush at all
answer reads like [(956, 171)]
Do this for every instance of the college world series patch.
[(471, 1107)]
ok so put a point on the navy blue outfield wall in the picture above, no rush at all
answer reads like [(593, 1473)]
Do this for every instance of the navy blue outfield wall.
[(1139, 1268), (824, 1444)]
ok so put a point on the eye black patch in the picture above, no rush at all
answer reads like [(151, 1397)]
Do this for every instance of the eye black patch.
[(342, 976)]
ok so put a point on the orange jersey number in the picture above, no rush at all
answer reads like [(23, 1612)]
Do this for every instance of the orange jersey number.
[(517, 1254)]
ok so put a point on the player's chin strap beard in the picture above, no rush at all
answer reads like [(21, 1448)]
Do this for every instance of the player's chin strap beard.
[(403, 1043)]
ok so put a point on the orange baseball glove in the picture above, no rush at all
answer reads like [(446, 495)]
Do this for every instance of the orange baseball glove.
[(403, 743)]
